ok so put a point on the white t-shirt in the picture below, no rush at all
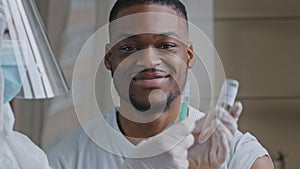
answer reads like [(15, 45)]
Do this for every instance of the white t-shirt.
[(78, 151)]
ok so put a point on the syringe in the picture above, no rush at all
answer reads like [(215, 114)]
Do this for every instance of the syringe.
[(185, 99)]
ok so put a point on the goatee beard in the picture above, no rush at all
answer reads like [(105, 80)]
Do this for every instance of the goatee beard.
[(147, 107)]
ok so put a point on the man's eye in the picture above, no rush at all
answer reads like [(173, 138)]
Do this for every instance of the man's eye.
[(167, 46), (129, 48)]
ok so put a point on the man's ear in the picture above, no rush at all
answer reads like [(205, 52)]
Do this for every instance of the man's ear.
[(107, 58), (190, 55)]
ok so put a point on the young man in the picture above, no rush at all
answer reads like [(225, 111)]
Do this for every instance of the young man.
[(149, 56)]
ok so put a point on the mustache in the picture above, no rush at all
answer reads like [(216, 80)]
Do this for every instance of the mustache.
[(152, 70), (149, 70)]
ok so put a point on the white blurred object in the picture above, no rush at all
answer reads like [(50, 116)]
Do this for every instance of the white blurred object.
[(40, 74), (16, 150), (175, 158), (216, 130)]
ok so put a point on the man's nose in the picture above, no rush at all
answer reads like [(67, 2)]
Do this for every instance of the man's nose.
[(149, 58)]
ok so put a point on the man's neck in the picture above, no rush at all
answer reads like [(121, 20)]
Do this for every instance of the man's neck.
[(138, 127)]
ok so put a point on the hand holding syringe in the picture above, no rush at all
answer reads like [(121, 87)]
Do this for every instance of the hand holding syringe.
[(214, 133)]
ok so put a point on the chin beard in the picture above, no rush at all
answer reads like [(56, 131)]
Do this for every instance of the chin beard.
[(147, 107)]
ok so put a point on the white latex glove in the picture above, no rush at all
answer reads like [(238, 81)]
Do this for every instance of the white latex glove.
[(215, 132), (174, 154)]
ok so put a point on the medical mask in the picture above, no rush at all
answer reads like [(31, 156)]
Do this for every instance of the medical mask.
[(10, 69)]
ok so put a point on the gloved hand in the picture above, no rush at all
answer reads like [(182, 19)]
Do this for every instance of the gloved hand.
[(173, 144), (214, 137)]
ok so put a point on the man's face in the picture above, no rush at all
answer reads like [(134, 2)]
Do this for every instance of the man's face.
[(149, 51)]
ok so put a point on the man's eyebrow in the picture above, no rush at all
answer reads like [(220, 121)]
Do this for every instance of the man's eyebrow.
[(123, 36), (167, 34)]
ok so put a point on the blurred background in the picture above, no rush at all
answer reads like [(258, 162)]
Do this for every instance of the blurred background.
[(258, 43)]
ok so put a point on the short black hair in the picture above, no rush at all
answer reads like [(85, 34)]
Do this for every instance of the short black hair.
[(123, 4)]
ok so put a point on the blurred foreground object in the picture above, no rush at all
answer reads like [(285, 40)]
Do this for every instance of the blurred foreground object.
[(38, 70), (28, 67)]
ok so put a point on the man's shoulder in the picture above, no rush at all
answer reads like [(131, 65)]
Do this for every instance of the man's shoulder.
[(79, 135), (245, 141), (65, 151), (245, 150), (73, 139), (75, 143)]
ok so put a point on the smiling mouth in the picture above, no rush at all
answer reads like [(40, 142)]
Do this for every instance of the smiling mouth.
[(151, 79)]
